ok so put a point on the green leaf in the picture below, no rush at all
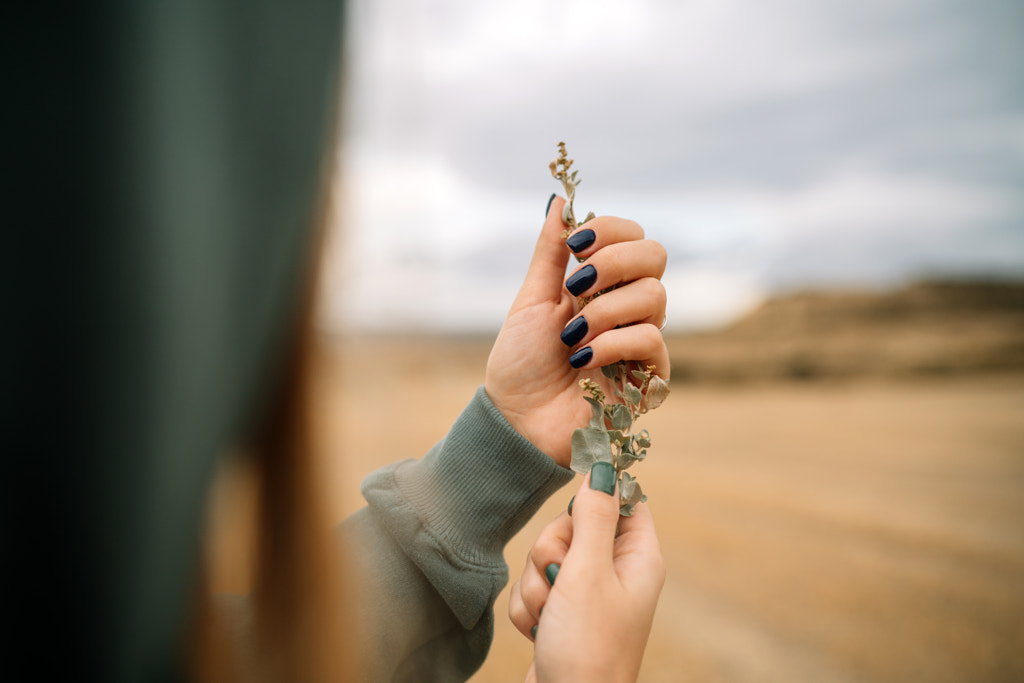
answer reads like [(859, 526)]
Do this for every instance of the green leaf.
[(596, 412), (640, 376), (610, 371), (643, 439), (633, 395), (621, 417), (630, 492), (617, 437), (590, 216), (590, 445), (627, 457)]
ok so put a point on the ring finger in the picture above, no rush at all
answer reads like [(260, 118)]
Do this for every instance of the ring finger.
[(641, 301)]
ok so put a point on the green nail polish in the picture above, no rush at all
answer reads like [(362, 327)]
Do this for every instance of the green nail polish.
[(533, 632), (571, 501), (602, 477), (552, 572)]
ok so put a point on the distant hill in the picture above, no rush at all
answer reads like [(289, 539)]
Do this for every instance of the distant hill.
[(927, 328)]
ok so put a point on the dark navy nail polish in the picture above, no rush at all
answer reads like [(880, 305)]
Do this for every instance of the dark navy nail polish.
[(580, 240), (549, 205), (551, 572), (574, 331), (581, 357), (582, 280)]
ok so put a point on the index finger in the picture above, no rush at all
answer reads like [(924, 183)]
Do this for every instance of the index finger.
[(599, 232)]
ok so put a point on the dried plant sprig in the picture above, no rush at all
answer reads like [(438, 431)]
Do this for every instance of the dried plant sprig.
[(560, 171), (635, 388)]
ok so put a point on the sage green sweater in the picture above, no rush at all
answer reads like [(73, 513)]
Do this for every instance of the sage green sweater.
[(427, 550), (429, 545)]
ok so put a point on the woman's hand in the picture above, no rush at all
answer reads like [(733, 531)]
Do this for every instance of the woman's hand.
[(547, 344), (598, 590)]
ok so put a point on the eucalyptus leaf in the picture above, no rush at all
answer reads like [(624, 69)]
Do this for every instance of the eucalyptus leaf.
[(622, 419), (640, 376), (617, 437), (596, 412), (590, 445), (630, 492), (643, 439), (610, 371), (633, 395)]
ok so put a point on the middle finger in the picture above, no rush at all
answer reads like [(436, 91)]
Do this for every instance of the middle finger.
[(621, 262)]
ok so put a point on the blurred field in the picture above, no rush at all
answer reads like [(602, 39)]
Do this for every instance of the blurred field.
[(871, 531), (831, 525)]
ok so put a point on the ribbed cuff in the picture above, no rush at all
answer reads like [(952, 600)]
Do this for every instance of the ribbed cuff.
[(475, 489)]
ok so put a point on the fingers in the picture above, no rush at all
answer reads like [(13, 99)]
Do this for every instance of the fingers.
[(617, 263), (638, 558), (547, 267), (595, 515), (599, 232), (642, 301), (530, 593), (643, 343)]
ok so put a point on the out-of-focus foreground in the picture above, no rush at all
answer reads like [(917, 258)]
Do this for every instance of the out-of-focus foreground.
[(838, 487)]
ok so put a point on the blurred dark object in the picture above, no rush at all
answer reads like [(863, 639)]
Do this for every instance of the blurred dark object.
[(164, 164), (929, 328)]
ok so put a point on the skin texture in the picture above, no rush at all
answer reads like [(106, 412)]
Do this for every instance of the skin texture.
[(529, 378), (597, 616)]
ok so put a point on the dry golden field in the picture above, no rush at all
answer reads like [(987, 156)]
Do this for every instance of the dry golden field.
[(838, 483), (868, 530)]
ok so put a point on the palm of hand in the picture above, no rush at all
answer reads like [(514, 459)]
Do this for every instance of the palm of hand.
[(530, 381)]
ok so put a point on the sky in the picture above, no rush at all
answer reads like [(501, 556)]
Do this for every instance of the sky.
[(770, 145)]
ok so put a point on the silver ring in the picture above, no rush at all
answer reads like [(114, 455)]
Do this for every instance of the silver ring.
[(663, 324)]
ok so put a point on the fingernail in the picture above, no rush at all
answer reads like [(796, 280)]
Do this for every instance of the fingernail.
[(551, 572), (533, 632), (581, 357), (574, 331), (580, 240), (549, 205), (581, 280), (571, 501), (602, 477)]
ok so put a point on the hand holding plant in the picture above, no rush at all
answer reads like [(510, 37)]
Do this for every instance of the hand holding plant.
[(538, 360)]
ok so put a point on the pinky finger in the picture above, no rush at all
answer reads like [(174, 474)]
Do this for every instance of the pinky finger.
[(642, 342)]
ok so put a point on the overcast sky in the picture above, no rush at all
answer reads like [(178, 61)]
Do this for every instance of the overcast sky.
[(768, 144)]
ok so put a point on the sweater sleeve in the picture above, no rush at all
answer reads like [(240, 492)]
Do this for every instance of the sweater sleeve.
[(428, 548)]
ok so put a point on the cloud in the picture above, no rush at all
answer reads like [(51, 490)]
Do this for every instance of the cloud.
[(768, 145)]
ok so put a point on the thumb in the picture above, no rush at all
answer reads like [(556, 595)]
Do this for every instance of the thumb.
[(595, 516), (547, 267)]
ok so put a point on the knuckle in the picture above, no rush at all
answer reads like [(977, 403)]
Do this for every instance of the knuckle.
[(655, 290), (650, 336), (661, 253)]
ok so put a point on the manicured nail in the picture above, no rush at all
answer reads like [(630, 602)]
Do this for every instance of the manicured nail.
[(574, 331), (602, 477), (571, 501), (580, 240), (551, 572), (549, 206), (581, 280), (581, 357), (533, 632)]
